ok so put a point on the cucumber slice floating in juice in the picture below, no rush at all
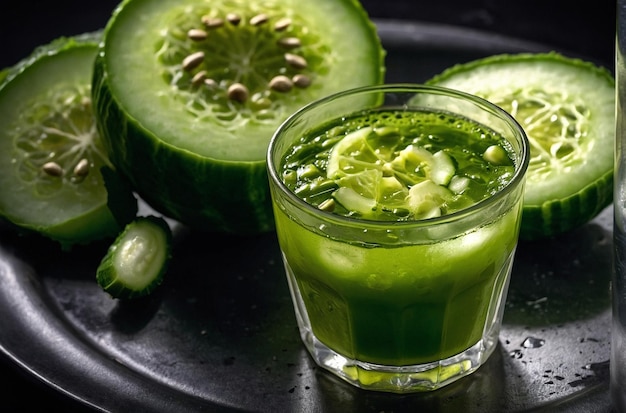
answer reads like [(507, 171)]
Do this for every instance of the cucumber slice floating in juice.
[(375, 174), (136, 262), (567, 108), (50, 150), (189, 93)]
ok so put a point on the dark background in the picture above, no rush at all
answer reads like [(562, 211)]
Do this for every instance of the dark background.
[(584, 28)]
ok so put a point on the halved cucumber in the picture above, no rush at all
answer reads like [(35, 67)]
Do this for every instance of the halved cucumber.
[(136, 262), (567, 108), (189, 93), (50, 150)]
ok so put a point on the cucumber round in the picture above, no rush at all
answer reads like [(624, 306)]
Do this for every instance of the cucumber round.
[(567, 108), (51, 154), (189, 92), (137, 260)]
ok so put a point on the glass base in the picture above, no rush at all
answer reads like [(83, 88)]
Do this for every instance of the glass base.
[(394, 379), (402, 379)]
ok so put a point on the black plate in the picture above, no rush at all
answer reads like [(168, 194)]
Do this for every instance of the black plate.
[(220, 335)]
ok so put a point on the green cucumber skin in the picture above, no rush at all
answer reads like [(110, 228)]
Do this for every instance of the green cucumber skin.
[(538, 219), (107, 270), (148, 162), (56, 46), (202, 192), (94, 225), (573, 212), (95, 221)]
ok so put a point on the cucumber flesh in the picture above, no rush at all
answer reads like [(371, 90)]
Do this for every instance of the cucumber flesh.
[(136, 262), (191, 143), (567, 108), (50, 151)]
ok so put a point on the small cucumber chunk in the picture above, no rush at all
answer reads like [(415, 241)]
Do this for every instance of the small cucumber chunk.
[(136, 262), (567, 108), (353, 201), (442, 169), (426, 199)]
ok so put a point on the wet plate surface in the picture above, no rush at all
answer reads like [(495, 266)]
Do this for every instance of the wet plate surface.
[(220, 335)]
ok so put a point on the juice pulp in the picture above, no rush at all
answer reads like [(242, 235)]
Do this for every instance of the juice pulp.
[(391, 300)]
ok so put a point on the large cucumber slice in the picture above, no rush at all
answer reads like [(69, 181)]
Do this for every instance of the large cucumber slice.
[(50, 151), (189, 92), (567, 108)]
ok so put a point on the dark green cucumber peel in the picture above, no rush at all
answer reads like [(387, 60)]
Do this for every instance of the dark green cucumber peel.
[(121, 200), (69, 209), (554, 202), (88, 40), (136, 262), (562, 215), (206, 169)]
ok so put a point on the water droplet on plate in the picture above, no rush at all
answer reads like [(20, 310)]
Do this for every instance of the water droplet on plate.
[(533, 342)]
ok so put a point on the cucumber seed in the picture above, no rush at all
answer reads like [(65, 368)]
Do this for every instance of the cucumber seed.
[(281, 83), (233, 18), (238, 92), (301, 80), (193, 60), (197, 34), (52, 169), (295, 61), (289, 42), (210, 82), (82, 168), (199, 78), (212, 22), (282, 24), (259, 19)]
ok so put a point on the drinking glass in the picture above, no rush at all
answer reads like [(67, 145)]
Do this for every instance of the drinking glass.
[(618, 328), (399, 306)]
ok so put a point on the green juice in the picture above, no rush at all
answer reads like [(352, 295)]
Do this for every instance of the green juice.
[(410, 287), (401, 305)]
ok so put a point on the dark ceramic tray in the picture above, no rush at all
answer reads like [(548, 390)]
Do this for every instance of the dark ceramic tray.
[(220, 335)]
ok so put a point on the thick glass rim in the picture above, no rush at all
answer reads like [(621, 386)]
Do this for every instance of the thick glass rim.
[(518, 176)]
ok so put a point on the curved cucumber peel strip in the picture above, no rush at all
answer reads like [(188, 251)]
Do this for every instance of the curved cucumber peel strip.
[(189, 97), (567, 108), (48, 130)]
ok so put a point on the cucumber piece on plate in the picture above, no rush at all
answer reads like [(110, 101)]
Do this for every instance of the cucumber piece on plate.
[(51, 154), (189, 93), (136, 262), (567, 108)]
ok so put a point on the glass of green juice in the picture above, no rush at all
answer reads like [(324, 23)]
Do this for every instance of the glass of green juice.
[(397, 211)]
